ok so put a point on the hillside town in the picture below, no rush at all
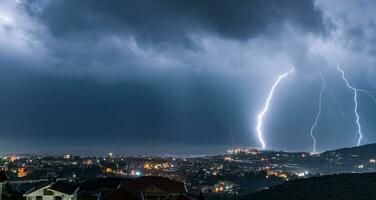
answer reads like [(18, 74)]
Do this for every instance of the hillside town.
[(238, 172)]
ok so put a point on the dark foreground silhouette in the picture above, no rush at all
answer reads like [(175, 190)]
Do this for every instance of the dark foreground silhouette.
[(342, 186)]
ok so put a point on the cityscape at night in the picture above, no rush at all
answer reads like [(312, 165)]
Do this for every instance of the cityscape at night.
[(187, 99)]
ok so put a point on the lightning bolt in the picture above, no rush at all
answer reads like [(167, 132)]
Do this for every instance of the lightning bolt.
[(260, 117), (317, 116), (231, 123), (335, 101), (355, 102), (369, 93)]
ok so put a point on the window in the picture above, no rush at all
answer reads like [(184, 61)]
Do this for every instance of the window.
[(39, 198), (58, 198)]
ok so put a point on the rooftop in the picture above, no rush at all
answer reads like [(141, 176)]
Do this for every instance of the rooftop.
[(2, 177)]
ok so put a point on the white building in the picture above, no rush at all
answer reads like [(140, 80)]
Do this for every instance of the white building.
[(3, 178), (54, 191)]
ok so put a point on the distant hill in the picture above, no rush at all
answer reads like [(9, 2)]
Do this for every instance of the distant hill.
[(364, 151), (341, 187)]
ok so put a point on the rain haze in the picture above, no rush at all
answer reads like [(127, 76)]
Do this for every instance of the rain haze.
[(184, 77)]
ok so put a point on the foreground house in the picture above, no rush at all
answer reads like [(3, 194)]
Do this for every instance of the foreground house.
[(149, 188), (3, 179), (54, 191)]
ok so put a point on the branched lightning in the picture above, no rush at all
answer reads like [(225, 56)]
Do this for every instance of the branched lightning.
[(369, 93), (355, 102), (335, 101), (317, 116), (356, 90), (260, 117)]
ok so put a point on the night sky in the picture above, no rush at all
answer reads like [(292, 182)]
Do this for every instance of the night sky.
[(182, 77)]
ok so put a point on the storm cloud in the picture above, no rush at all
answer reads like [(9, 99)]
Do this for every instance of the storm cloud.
[(169, 21), (118, 73)]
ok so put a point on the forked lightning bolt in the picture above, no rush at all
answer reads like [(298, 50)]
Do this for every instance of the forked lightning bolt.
[(317, 116), (260, 117), (356, 104), (335, 101), (369, 93), (356, 90)]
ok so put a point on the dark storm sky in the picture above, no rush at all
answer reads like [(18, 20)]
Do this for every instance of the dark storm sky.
[(165, 76)]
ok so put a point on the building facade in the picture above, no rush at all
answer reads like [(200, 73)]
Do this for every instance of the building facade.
[(2, 184), (54, 191)]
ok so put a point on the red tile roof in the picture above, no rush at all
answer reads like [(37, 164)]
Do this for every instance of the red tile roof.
[(121, 194), (180, 197), (64, 187), (165, 184)]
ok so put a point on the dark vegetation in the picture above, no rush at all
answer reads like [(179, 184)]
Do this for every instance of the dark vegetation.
[(341, 187)]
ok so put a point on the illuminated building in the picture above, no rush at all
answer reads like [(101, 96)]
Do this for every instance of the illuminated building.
[(12, 158), (87, 162), (135, 173), (224, 187), (148, 166), (107, 170), (21, 172), (227, 158)]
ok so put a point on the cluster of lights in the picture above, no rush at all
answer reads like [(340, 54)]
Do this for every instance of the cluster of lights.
[(21, 172), (150, 166), (302, 174), (243, 150), (222, 186), (279, 174), (12, 158), (228, 158), (135, 173)]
